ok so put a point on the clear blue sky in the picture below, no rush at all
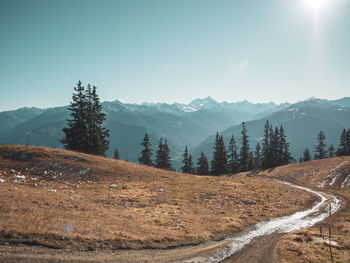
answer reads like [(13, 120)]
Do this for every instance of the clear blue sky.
[(167, 51)]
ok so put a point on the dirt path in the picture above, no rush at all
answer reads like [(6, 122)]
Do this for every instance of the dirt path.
[(260, 250), (255, 244)]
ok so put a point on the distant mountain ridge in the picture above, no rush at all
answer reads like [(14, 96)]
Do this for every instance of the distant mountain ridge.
[(190, 124), (302, 121)]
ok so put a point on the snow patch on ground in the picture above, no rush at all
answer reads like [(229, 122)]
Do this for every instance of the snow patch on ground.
[(334, 179), (286, 224), (346, 181)]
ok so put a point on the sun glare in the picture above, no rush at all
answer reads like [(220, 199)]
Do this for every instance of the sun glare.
[(316, 5)]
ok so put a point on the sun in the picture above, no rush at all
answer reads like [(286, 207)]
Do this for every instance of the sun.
[(316, 6)]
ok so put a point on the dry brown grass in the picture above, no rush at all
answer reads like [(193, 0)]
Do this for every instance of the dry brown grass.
[(326, 175), (147, 208)]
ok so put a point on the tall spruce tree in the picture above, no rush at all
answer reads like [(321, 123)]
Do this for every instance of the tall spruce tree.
[(232, 156), (277, 148), (166, 159), (320, 151), (186, 168), (344, 146), (85, 132), (244, 151), (76, 136), (286, 156), (159, 156), (192, 170), (146, 153), (98, 143), (266, 155), (219, 163), (272, 149), (257, 156), (202, 165)]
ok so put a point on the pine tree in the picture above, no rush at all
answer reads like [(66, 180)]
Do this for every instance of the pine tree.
[(146, 153), (97, 134), (76, 136), (159, 157), (272, 149), (166, 160), (266, 155), (306, 155), (219, 163), (244, 151), (331, 151), (344, 146), (186, 168), (277, 148), (286, 156), (215, 163), (116, 154), (320, 152), (257, 155), (232, 156), (202, 165)]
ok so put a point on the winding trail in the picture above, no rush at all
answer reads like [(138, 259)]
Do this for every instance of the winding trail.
[(264, 235)]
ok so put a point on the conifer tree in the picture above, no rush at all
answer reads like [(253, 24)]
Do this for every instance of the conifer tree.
[(192, 170), (76, 136), (272, 149), (85, 132), (320, 151), (202, 165), (257, 155), (244, 151), (186, 168), (146, 153), (266, 156), (116, 154), (331, 151), (306, 155), (276, 148), (166, 160), (159, 156), (219, 163), (232, 156), (286, 156), (344, 146), (98, 143)]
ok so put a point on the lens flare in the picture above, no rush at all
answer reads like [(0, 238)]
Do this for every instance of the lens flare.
[(316, 5)]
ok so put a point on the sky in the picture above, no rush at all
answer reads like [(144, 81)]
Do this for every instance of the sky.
[(173, 51)]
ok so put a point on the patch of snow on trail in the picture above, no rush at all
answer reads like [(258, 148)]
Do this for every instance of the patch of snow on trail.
[(334, 179), (303, 219), (346, 181)]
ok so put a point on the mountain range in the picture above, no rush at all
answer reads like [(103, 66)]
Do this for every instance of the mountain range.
[(193, 124)]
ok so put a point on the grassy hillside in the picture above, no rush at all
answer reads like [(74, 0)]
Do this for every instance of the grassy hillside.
[(75, 200)]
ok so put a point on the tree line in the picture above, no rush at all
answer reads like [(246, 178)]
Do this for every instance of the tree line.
[(321, 151), (85, 133), (274, 152)]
